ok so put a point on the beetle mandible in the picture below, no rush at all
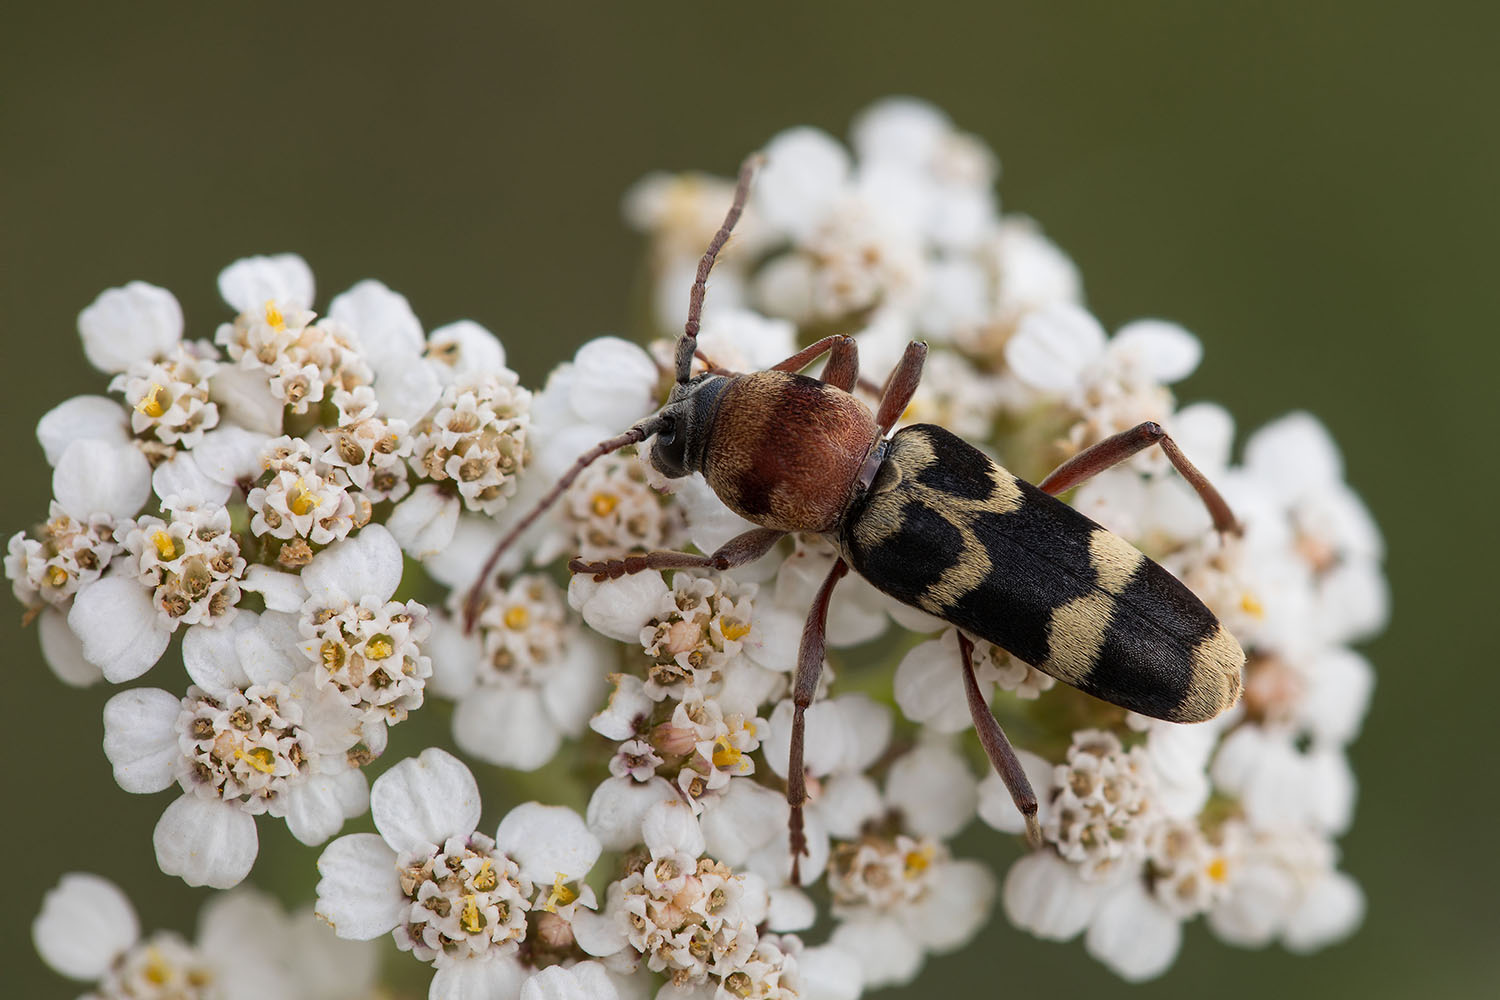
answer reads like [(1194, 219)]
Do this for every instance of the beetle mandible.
[(931, 521)]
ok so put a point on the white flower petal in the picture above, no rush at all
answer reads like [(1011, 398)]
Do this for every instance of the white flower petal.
[(957, 904), (743, 819), (1044, 895), (805, 172), (118, 625), (1330, 910), (249, 283), (617, 608), (408, 390), (493, 977), (475, 350), (887, 953), (282, 591), (506, 726), (614, 383), (848, 802), (829, 973), (268, 649), (388, 330), (317, 806), (424, 522), (584, 981), (618, 807), (929, 685), (95, 477), (210, 656), (577, 684), (547, 841), (247, 914), (455, 658), (229, 454), (998, 809), (599, 934), (670, 827), (1164, 351), (934, 789), (359, 891), (82, 418), (869, 728), (140, 738), (245, 401), (179, 477), (1053, 346), (86, 922), (1133, 934), (457, 565), (903, 129), (791, 910), (139, 322), (1295, 455), (425, 800), (365, 565), (63, 650), (205, 842)]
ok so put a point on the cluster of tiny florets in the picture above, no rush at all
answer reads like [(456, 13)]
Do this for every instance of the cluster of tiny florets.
[(272, 499)]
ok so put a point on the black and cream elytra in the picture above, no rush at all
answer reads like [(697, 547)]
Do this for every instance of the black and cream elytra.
[(935, 523)]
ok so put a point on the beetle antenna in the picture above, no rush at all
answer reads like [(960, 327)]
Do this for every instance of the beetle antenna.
[(635, 435), (687, 346)]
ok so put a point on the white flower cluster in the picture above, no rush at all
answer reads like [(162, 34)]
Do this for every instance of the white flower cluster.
[(256, 506), (260, 504)]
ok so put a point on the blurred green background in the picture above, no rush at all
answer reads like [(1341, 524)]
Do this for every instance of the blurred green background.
[(1309, 187)]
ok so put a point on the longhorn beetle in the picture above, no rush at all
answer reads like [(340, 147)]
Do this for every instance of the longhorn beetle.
[(933, 522)]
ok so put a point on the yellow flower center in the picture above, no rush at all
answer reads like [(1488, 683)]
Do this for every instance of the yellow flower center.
[(260, 758), (603, 504), (150, 404), (302, 500), (736, 630), (517, 617), (57, 576), (1218, 870), (1251, 606), (918, 861), (158, 971), (485, 879), (166, 546), (725, 753), (379, 647), (273, 316), (471, 919), (561, 894)]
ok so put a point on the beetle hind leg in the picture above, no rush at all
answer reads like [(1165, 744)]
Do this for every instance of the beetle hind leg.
[(1001, 754), (809, 669), (1117, 448)]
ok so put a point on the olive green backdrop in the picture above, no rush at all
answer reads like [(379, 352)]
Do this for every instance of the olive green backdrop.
[(1311, 187)]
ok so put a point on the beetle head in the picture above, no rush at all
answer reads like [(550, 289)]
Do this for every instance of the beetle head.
[(686, 424)]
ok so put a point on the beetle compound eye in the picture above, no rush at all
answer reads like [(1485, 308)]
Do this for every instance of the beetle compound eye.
[(667, 436), (669, 450)]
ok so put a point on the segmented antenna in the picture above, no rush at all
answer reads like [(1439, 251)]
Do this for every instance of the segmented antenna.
[(687, 346), (475, 599)]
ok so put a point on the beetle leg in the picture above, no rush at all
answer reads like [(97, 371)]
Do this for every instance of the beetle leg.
[(901, 386), (809, 668), (738, 551), (842, 370), (1002, 756), (1117, 448)]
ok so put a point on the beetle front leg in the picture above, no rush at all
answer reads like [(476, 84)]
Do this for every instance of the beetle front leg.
[(809, 669), (1001, 754), (842, 370), (1117, 448), (738, 551), (901, 386)]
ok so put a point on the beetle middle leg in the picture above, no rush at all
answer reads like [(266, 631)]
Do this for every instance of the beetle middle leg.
[(1117, 448), (739, 550), (809, 669), (842, 370), (997, 747)]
